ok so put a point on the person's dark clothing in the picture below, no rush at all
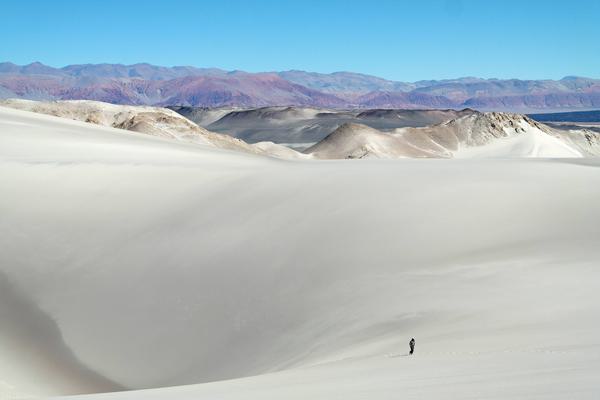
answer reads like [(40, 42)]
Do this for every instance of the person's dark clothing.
[(412, 345)]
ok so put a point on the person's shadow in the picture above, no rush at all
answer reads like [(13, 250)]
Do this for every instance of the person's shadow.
[(397, 355)]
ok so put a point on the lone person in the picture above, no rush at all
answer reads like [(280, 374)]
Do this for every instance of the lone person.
[(412, 345)]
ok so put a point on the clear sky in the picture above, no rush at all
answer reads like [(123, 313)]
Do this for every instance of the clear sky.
[(401, 40)]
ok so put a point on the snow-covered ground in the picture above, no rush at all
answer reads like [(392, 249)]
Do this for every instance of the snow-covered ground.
[(130, 261)]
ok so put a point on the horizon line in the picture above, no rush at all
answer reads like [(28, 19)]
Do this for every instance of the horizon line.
[(300, 70)]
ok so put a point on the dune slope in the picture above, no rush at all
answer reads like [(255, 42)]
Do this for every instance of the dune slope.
[(163, 263), (153, 121)]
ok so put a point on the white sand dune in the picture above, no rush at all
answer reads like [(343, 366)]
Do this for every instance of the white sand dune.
[(531, 141), (153, 121), (476, 135), (165, 263)]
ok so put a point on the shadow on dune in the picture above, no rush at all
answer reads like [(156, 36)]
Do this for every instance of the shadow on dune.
[(36, 360)]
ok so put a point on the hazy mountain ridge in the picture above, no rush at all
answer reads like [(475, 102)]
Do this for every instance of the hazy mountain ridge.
[(146, 84), (139, 70)]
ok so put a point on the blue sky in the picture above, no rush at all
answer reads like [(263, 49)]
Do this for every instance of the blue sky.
[(401, 40)]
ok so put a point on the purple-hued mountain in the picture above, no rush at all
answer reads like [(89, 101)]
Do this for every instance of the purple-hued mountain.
[(210, 87)]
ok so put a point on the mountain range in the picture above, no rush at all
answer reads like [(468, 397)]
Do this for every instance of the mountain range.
[(146, 84)]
